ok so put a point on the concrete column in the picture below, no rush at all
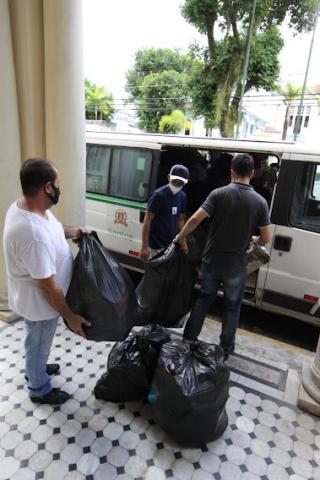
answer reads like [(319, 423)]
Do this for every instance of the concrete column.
[(10, 159), (64, 104), (27, 37), (309, 394)]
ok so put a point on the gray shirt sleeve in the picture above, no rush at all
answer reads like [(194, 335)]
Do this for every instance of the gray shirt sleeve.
[(264, 218), (210, 204)]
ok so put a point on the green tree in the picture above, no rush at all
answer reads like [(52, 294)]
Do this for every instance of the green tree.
[(289, 93), (216, 82), (98, 102), (174, 123), (158, 84)]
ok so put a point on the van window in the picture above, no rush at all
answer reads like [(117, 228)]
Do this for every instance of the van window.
[(130, 173), (305, 211), (210, 169), (98, 162), (316, 184)]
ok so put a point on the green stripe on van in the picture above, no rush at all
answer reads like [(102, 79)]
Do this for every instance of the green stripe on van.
[(116, 201)]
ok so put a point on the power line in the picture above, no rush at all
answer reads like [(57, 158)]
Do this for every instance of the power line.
[(275, 100), (258, 96)]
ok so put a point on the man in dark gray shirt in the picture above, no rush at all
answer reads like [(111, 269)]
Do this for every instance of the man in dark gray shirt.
[(237, 212)]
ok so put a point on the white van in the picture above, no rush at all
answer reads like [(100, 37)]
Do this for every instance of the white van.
[(123, 169)]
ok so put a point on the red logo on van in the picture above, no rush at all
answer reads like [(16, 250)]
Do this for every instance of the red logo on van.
[(120, 217)]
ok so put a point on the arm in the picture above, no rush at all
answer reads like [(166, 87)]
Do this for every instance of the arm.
[(75, 232), (191, 225), (144, 252), (265, 230), (56, 299), (264, 237), (181, 223)]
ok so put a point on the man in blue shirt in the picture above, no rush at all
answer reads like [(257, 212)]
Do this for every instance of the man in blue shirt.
[(165, 215)]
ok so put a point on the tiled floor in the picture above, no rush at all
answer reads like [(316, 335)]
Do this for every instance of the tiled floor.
[(267, 436)]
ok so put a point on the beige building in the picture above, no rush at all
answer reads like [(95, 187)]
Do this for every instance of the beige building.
[(42, 102)]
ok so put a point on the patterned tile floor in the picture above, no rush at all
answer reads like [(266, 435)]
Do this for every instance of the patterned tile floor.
[(267, 437)]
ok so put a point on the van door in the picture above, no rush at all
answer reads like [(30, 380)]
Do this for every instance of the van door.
[(292, 282), (118, 182)]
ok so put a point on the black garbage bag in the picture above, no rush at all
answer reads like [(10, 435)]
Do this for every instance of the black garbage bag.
[(102, 292), (196, 242), (189, 392), (131, 366), (165, 292)]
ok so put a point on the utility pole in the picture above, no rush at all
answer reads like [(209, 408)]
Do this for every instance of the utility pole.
[(298, 123), (246, 63)]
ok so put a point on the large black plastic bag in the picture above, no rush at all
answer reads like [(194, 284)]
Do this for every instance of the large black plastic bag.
[(189, 392), (165, 292), (131, 366), (196, 242), (102, 292)]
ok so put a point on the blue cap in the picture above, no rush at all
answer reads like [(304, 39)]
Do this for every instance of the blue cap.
[(179, 172)]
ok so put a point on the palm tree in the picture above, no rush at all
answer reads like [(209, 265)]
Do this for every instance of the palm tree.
[(290, 93), (99, 103), (174, 123)]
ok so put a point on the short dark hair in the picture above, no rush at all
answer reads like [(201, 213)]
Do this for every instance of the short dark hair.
[(34, 174), (242, 164)]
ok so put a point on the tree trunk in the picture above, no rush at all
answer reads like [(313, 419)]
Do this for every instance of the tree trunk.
[(226, 119), (227, 126), (228, 112), (210, 35), (234, 109), (225, 116)]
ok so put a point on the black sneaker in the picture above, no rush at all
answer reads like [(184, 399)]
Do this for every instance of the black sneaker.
[(54, 397), (52, 369)]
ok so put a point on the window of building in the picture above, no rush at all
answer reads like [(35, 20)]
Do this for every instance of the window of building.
[(98, 163), (130, 173), (290, 120), (306, 121)]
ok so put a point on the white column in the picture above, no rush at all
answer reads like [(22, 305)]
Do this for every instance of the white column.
[(10, 159), (27, 38), (64, 104), (311, 383)]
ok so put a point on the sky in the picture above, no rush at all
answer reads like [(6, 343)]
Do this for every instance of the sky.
[(115, 29)]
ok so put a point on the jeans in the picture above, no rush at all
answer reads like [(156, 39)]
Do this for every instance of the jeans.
[(233, 280), (37, 348)]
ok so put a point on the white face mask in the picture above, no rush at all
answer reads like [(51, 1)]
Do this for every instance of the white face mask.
[(174, 189)]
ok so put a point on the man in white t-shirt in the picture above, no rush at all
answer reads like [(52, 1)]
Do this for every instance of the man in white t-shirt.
[(39, 267)]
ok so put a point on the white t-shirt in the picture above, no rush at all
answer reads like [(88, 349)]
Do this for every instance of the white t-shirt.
[(34, 248)]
